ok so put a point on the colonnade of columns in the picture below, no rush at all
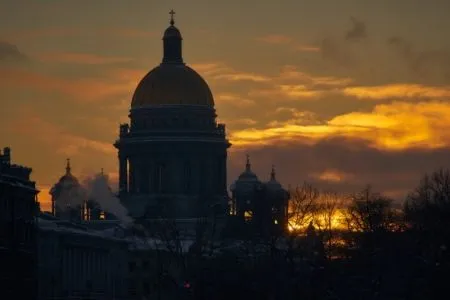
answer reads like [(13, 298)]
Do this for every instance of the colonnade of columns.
[(174, 175)]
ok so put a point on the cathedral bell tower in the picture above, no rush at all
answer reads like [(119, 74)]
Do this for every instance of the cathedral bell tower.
[(173, 153)]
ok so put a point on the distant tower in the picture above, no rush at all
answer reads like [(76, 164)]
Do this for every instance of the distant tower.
[(243, 192), (264, 205), (172, 156), (275, 197), (68, 196)]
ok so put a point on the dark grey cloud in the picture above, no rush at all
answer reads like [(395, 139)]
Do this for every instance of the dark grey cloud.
[(336, 50), (332, 50), (428, 65), (10, 53), (395, 173), (357, 32)]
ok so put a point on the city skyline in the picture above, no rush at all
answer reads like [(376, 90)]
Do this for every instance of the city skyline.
[(337, 95)]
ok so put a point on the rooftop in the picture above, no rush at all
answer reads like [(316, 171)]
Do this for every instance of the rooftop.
[(13, 174)]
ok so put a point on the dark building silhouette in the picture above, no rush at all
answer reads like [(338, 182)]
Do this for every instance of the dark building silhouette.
[(18, 209), (264, 205), (77, 262), (173, 154)]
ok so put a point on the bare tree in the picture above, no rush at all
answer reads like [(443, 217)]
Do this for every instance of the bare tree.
[(302, 206), (326, 217), (369, 212), (428, 207)]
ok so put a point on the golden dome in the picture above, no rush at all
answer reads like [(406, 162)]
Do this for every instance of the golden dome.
[(172, 84)]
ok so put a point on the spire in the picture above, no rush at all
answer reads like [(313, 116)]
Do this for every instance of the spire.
[(172, 43), (272, 174), (171, 13), (248, 165), (68, 166)]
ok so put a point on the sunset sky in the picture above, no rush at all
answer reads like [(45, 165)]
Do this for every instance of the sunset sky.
[(336, 93)]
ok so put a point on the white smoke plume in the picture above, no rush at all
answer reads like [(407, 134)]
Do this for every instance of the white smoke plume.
[(98, 189), (70, 195)]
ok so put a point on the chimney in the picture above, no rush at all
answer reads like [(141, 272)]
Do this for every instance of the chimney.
[(7, 155)]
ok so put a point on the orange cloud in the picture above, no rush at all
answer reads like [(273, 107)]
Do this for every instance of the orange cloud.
[(128, 32), (84, 89), (395, 126), (52, 32), (275, 39), (296, 117), (243, 77), (297, 91), (82, 58), (398, 91), (293, 84), (218, 71), (30, 125), (306, 48), (43, 32), (280, 39), (234, 100), (289, 72), (332, 176), (285, 92)]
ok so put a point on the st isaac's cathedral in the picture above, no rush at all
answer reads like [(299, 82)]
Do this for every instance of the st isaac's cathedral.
[(173, 152)]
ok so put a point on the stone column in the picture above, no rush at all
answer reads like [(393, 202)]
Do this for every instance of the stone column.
[(224, 173), (123, 174), (151, 176), (131, 176)]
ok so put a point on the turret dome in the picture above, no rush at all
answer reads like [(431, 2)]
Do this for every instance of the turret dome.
[(246, 179)]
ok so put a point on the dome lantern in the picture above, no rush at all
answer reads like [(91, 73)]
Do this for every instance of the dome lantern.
[(172, 43)]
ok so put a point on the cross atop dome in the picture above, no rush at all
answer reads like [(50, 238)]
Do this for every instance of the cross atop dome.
[(171, 13), (272, 174), (68, 166), (248, 165), (172, 43)]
